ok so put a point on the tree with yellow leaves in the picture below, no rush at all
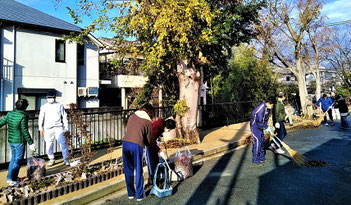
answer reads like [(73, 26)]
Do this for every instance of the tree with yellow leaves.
[(181, 36)]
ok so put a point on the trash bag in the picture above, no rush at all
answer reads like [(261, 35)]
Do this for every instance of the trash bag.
[(36, 168), (184, 163)]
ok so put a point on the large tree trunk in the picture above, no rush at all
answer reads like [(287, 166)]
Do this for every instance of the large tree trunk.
[(318, 84), (189, 85), (301, 81)]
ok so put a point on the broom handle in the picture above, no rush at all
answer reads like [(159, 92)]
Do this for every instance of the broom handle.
[(283, 143), (328, 109), (273, 138)]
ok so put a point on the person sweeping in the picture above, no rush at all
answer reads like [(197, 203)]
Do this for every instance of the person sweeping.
[(278, 121), (344, 111), (258, 123), (326, 104)]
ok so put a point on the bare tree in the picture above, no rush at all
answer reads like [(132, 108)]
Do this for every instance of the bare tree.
[(340, 58), (282, 33), (316, 47)]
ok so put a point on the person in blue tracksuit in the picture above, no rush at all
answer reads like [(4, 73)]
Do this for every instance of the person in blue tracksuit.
[(326, 102), (259, 122), (138, 135)]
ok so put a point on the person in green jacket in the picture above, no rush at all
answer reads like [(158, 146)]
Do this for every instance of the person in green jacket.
[(278, 121), (18, 136)]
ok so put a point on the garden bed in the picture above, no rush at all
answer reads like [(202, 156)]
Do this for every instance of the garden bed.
[(49, 187)]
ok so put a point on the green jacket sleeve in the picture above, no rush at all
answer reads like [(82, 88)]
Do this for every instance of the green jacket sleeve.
[(279, 112), (24, 130), (3, 121)]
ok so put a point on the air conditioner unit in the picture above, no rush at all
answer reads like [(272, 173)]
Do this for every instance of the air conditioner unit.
[(93, 91), (82, 91)]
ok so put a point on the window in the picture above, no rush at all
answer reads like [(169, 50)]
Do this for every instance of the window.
[(287, 78), (34, 101), (80, 54), (60, 51)]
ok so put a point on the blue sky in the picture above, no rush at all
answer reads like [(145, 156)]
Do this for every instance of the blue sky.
[(335, 10)]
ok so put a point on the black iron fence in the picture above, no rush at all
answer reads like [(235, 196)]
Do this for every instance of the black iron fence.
[(110, 123)]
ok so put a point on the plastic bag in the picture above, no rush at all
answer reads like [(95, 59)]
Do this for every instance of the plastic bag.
[(184, 163), (36, 168)]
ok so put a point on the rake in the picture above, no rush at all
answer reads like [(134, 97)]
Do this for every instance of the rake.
[(298, 158)]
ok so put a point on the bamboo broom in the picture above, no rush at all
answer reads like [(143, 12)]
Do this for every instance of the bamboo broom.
[(298, 158), (318, 122)]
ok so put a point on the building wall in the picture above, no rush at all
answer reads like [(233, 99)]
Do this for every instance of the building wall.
[(33, 53), (36, 66), (88, 74), (7, 63)]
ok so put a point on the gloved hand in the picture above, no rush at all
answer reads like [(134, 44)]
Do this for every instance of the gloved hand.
[(163, 155), (270, 129), (32, 147), (277, 125)]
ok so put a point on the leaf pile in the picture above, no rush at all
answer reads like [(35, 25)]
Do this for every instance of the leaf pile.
[(317, 163), (176, 143)]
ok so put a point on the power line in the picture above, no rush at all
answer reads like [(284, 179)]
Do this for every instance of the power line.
[(339, 23)]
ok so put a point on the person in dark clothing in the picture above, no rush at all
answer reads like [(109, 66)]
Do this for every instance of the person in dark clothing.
[(153, 152), (258, 123), (326, 106), (138, 135), (344, 111), (278, 121), (18, 137)]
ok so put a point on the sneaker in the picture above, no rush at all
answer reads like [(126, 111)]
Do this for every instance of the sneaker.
[(144, 196), (331, 123), (130, 197), (280, 151), (325, 123), (51, 162), (67, 162), (12, 183)]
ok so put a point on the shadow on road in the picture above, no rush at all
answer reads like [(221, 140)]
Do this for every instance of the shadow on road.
[(203, 192), (289, 184)]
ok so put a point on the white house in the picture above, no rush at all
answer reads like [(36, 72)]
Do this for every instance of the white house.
[(34, 58)]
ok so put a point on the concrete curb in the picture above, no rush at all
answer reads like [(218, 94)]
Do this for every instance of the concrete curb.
[(114, 185)]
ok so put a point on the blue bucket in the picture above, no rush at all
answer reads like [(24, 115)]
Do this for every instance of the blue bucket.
[(167, 189)]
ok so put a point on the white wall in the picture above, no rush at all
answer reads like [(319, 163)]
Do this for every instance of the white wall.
[(88, 74), (36, 66), (7, 58)]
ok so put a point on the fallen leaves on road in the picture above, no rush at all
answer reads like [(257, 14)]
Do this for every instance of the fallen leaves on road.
[(317, 163)]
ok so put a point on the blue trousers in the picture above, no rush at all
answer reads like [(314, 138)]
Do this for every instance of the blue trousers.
[(344, 122), (258, 145), (281, 132), (152, 161), (17, 152), (132, 155)]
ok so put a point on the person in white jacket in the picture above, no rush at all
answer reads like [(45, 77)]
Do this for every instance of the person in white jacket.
[(53, 124)]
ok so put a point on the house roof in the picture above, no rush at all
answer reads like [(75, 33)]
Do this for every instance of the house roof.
[(17, 13)]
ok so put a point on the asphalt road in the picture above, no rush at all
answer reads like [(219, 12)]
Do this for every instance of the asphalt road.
[(233, 179)]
